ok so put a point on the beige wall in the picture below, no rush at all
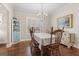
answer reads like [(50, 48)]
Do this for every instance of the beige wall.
[(68, 9)]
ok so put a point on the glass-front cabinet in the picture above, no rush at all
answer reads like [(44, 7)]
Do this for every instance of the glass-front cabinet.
[(15, 30)]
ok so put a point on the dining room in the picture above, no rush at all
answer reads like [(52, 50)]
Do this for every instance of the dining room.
[(46, 25), (43, 29)]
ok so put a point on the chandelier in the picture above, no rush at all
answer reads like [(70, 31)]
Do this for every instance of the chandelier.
[(42, 13)]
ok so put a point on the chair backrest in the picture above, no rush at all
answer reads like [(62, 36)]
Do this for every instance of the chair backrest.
[(31, 32), (58, 35), (52, 30), (34, 42), (51, 35)]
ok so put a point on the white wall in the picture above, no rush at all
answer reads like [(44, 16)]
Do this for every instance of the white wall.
[(23, 17), (68, 9), (10, 11), (3, 26)]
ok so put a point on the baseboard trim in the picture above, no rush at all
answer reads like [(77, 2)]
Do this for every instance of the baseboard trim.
[(11, 44), (8, 45), (25, 40), (76, 47), (71, 46)]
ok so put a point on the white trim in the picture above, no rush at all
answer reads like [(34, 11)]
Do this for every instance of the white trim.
[(9, 45), (25, 39), (76, 46)]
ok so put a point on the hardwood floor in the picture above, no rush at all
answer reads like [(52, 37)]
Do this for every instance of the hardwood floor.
[(20, 49), (69, 51), (23, 49)]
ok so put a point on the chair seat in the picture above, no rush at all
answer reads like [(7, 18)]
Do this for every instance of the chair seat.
[(53, 46), (53, 49)]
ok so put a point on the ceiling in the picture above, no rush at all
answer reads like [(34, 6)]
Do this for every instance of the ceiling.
[(36, 7)]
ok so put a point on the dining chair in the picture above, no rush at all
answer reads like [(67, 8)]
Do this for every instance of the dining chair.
[(54, 47), (44, 48), (51, 34), (34, 44)]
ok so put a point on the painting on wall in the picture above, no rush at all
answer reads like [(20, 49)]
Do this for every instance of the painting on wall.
[(65, 21)]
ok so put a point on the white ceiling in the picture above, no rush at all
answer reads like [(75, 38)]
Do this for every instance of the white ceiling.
[(35, 7)]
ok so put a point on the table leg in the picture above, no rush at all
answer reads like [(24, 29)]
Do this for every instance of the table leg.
[(42, 48)]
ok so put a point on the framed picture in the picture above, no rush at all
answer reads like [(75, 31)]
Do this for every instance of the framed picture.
[(65, 21)]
